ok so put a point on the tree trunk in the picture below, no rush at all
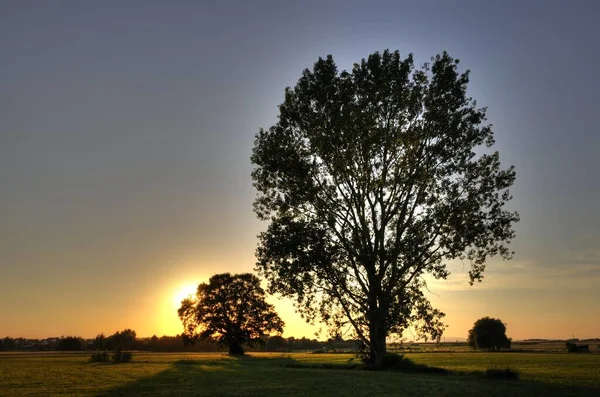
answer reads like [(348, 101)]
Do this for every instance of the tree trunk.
[(235, 349), (376, 338)]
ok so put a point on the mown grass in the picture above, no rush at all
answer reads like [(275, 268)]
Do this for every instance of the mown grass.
[(553, 368), (152, 374)]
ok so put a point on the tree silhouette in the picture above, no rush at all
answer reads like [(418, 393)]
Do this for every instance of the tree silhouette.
[(372, 179), (275, 343), (9, 343), (71, 343), (232, 309), (489, 334), (99, 342), (124, 339)]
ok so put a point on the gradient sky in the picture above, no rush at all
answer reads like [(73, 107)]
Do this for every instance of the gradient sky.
[(126, 129)]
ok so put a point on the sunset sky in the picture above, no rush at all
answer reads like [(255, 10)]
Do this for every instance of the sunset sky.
[(126, 129)]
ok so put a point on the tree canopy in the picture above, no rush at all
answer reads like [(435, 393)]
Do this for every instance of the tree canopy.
[(489, 334), (124, 339), (372, 179), (232, 310)]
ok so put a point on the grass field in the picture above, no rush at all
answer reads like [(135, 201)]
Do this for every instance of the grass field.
[(550, 346), (154, 374)]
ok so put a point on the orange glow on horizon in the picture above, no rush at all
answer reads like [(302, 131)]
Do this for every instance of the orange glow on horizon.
[(168, 322)]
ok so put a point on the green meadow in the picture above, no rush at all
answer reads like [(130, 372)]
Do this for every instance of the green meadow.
[(275, 374)]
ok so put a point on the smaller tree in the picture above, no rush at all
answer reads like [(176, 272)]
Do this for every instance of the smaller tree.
[(489, 334), (231, 309)]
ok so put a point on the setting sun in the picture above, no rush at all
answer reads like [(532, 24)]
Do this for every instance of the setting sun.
[(405, 188), (185, 291)]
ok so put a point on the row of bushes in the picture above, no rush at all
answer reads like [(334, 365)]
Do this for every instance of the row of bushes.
[(118, 356)]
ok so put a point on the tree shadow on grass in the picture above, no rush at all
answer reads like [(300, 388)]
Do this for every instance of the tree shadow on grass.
[(284, 376)]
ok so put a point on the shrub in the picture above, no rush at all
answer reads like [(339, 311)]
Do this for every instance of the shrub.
[(120, 356), (100, 356), (502, 373), (126, 357), (397, 362)]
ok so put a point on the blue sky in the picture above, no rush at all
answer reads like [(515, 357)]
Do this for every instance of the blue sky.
[(126, 129)]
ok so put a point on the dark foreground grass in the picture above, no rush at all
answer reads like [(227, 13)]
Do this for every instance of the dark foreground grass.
[(321, 375)]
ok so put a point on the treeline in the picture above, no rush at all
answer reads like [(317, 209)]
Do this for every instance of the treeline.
[(279, 344), (128, 340)]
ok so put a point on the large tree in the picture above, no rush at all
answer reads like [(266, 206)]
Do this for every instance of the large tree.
[(231, 309), (372, 179)]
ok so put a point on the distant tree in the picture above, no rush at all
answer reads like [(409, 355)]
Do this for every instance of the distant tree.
[(334, 342), (175, 343), (99, 342), (9, 343), (70, 343), (488, 334), (276, 343), (125, 339), (372, 179), (291, 343), (232, 309), (1, 345)]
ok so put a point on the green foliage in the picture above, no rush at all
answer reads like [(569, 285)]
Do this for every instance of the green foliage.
[(231, 309), (488, 334), (371, 179)]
